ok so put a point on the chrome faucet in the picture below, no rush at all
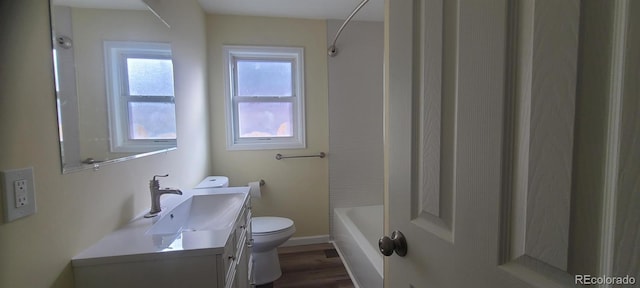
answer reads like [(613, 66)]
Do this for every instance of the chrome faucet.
[(156, 192)]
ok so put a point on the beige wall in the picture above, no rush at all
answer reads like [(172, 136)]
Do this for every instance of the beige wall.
[(296, 188), (76, 210)]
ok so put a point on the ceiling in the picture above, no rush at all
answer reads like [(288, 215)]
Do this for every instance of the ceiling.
[(314, 9)]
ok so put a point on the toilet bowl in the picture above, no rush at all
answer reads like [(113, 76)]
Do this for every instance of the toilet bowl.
[(268, 233)]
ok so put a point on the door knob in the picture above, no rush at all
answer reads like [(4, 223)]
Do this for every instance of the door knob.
[(397, 243)]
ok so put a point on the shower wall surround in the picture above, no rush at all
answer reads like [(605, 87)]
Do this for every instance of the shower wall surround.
[(356, 166)]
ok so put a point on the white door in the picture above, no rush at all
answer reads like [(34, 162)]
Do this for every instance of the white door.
[(480, 99)]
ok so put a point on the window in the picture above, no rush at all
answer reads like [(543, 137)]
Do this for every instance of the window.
[(264, 97), (141, 97)]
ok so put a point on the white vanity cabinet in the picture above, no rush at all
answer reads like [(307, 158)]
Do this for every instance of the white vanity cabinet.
[(213, 253), (235, 262)]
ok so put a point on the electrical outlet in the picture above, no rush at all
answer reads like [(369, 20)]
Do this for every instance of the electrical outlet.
[(18, 195), (20, 192)]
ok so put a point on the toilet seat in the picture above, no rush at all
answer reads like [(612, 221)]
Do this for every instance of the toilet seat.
[(270, 225)]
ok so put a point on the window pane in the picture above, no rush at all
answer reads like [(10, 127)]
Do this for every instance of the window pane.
[(150, 77), (152, 120), (259, 119), (264, 78)]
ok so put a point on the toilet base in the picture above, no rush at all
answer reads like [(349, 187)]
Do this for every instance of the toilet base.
[(266, 266)]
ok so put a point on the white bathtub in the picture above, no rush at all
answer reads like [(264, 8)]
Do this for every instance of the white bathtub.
[(356, 233)]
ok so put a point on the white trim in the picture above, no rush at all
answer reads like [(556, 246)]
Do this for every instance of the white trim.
[(296, 56), (307, 240), (614, 136)]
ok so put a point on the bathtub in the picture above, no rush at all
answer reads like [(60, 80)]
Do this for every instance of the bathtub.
[(356, 233)]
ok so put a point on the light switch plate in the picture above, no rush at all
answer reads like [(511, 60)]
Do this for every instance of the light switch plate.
[(18, 194)]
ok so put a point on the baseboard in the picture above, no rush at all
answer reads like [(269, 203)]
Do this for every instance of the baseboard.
[(307, 240)]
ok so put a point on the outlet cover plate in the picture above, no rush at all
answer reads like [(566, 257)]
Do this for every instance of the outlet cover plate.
[(8, 179)]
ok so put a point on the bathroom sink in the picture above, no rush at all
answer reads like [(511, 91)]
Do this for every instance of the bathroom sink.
[(199, 212), (193, 231)]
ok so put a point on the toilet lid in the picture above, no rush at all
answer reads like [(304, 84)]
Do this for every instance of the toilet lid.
[(262, 225)]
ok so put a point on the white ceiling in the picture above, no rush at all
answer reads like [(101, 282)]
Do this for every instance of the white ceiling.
[(314, 9)]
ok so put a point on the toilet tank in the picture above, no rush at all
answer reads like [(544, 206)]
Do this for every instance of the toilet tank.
[(214, 182)]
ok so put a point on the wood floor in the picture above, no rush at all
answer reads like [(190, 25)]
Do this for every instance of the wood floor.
[(311, 266)]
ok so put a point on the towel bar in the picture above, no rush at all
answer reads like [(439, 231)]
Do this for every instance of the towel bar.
[(280, 157)]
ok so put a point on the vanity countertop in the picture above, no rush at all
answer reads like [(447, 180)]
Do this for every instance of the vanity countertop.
[(132, 243)]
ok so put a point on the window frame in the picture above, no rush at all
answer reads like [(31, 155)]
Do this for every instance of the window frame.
[(116, 54), (294, 55)]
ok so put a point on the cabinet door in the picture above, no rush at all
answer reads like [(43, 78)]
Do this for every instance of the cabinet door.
[(242, 270)]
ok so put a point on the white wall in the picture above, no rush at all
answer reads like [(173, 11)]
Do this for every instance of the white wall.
[(355, 115), (76, 210)]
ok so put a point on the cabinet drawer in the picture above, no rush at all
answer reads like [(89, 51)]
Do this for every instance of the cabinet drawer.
[(243, 228), (229, 253), (237, 251)]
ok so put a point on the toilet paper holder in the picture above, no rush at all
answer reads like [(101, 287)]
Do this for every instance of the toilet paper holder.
[(254, 190)]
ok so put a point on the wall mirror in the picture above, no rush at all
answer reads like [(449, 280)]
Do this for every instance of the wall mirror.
[(114, 82)]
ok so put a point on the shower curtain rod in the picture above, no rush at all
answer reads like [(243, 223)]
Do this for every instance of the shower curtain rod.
[(332, 49)]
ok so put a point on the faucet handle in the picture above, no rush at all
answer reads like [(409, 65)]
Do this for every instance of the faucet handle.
[(154, 176), (154, 183)]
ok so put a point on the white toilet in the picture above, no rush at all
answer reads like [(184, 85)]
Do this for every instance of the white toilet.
[(268, 233)]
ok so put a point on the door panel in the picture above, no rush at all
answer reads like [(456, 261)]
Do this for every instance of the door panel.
[(625, 258), (536, 213), (432, 207)]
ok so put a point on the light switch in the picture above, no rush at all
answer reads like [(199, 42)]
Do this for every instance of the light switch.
[(18, 194)]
